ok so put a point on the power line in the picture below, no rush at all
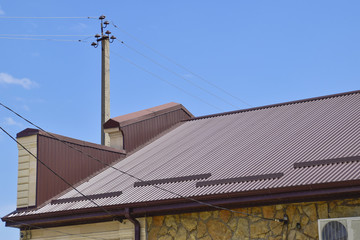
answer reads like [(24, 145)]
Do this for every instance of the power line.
[(41, 39), (31, 35), (139, 179), (178, 75), (180, 65), (164, 80), (4, 17)]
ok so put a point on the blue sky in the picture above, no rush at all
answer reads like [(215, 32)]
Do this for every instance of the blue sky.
[(262, 52)]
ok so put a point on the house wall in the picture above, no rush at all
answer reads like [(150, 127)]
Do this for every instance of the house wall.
[(225, 225), (105, 231), (26, 185)]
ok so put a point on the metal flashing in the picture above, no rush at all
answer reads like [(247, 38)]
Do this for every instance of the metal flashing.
[(172, 180), (239, 179), (82, 198), (326, 162)]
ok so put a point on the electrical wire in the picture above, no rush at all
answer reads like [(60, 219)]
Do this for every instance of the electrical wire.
[(31, 35), (57, 231), (83, 40), (164, 80), (4, 17), (181, 66), (139, 179), (41, 39), (178, 75)]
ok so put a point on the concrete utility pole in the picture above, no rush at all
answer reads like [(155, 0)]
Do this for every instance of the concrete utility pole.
[(105, 40)]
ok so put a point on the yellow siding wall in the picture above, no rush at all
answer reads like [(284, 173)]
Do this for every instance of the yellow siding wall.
[(106, 231), (26, 188)]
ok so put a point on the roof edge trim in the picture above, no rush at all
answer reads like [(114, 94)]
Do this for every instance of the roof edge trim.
[(263, 197)]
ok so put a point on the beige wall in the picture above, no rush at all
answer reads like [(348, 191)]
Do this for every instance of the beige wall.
[(225, 225), (116, 138), (26, 188), (105, 231)]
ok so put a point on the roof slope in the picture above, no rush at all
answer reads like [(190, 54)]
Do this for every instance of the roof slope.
[(284, 146)]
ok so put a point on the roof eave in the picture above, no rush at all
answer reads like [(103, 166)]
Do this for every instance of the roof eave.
[(318, 192)]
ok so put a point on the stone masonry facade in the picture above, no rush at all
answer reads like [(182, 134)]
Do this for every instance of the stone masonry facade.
[(224, 225)]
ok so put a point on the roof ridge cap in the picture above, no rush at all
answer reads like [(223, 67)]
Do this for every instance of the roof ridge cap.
[(275, 105)]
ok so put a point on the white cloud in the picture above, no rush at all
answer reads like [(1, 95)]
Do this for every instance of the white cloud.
[(1, 11), (24, 82), (11, 122), (26, 108)]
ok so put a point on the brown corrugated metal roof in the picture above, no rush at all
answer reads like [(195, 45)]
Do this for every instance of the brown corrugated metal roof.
[(238, 145)]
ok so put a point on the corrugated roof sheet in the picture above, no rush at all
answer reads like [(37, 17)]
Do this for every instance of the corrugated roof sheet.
[(261, 141)]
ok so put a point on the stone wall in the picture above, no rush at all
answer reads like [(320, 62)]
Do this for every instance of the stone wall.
[(224, 225)]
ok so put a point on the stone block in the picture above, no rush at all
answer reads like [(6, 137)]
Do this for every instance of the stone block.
[(205, 215), (241, 212), (322, 210), (345, 211), (279, 207), (163, 231), (310, 211), (181, 234), (225, 215), (259, 229), (158, 221), (201, 229), (311, 229), (218, 230), (242, 229), (170, 221), (153, 233), (189, 223), (232, 223), (172, 232), (166, 237), (304, 220), (268, 211)]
